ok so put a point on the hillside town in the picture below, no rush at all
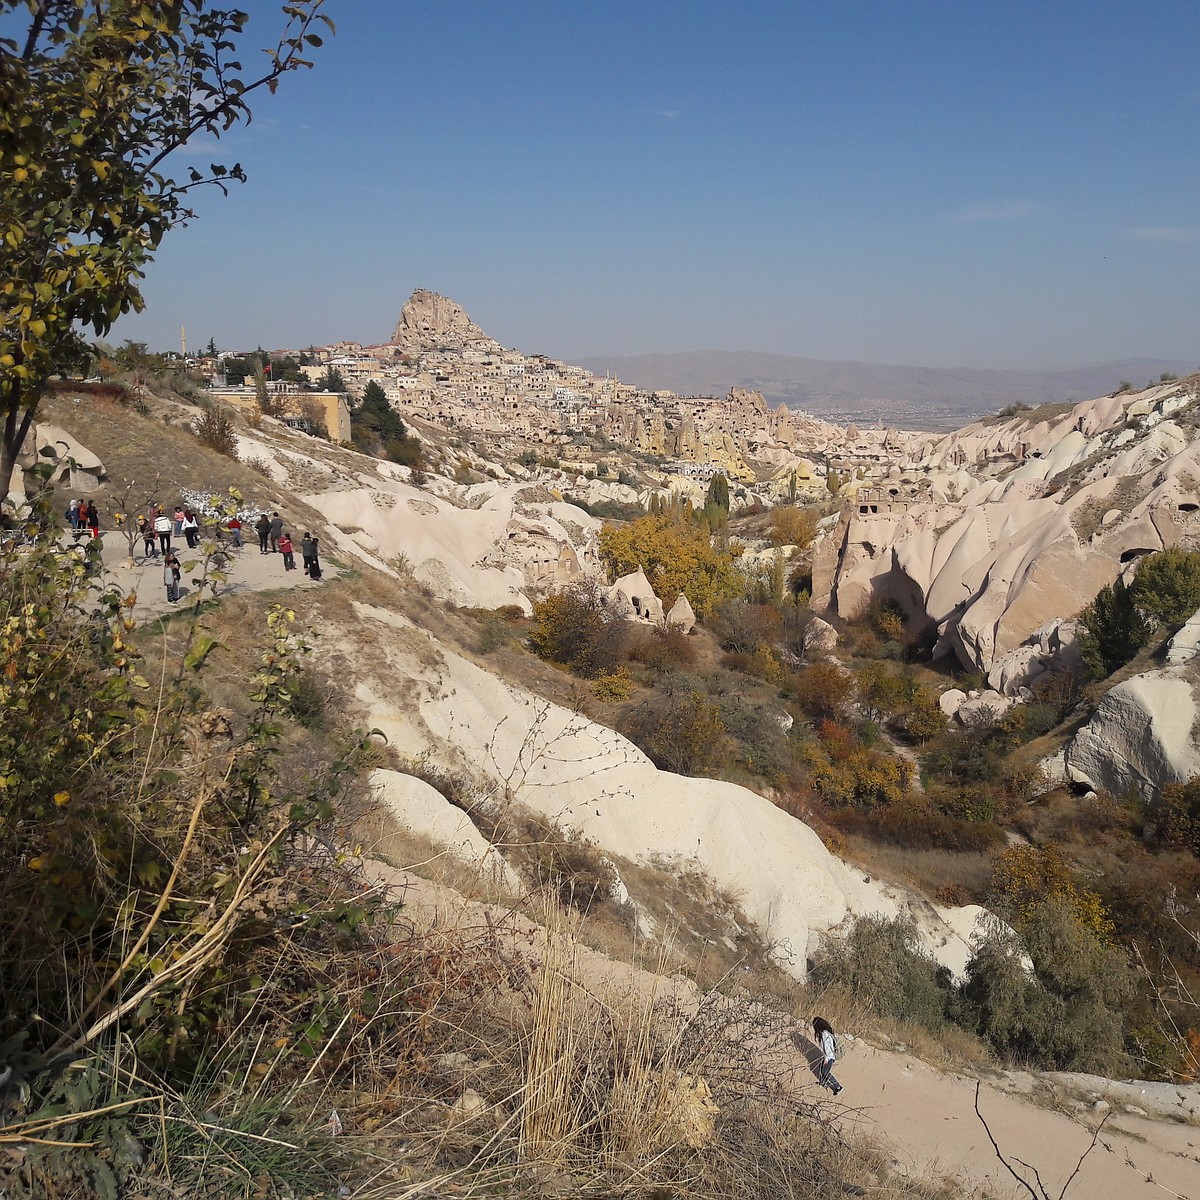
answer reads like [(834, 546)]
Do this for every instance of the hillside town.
[(440, 369)]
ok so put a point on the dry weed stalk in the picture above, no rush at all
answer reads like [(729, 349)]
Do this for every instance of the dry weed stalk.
[(1037, 1188), (551, 1115)]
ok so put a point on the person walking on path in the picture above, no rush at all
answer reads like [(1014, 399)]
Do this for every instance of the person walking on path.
[(235, 531), (171, 574), (191, 528), (178, 519), (308, 552), (146, 529), (827, 1042), (73, 515), (276, 530), (162, 526), (93, 519), (285, 548), (263, 528)]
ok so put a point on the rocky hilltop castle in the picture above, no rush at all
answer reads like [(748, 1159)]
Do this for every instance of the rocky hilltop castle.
[(442, 368)]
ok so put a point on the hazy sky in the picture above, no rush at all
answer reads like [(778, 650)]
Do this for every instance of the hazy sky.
[(934, 182)]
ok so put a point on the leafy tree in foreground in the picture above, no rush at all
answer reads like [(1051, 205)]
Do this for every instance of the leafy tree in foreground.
[(94, 98)]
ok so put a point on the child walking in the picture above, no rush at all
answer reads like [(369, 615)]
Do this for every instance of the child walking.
[(827, 1042), (171, 575)]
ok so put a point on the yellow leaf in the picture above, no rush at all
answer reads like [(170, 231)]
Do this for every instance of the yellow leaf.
[(35, 864), (61, 798)]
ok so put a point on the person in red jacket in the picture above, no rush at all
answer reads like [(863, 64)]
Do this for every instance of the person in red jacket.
[(285, 548)]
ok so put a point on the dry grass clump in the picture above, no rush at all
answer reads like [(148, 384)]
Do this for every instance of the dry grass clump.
[(559, 1086), (470, 1060)]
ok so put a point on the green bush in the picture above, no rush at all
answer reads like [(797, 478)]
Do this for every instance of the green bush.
[(1113, 630), (1120, 620), (1167, 585), (573, 627), (214, 427), (881, 963), (1068, 1015), (680, 731)]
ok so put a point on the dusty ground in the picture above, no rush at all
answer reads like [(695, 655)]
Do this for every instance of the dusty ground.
[(926, 1116), (247, 571)]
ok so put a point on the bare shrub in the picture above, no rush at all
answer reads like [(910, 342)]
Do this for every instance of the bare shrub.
[(681, 732), (215, 429), (573, 627), (565, 863), (664, 648), (742, 627)]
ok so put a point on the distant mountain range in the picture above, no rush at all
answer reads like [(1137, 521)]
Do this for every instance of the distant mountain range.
[(912, 397)]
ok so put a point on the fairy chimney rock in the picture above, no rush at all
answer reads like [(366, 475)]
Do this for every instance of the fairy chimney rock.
[(636, 590), (681, 616)]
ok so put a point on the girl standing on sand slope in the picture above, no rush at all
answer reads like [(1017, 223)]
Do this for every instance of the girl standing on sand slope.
[(823, 1032)]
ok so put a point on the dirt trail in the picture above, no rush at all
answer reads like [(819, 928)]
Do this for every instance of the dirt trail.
[(925, 1115), (247, 570)]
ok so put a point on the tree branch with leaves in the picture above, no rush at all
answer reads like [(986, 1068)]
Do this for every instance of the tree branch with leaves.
[(95, 98)]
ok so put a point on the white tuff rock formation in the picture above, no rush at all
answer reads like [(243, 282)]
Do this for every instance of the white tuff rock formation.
[(588, 778), (1002, 526)]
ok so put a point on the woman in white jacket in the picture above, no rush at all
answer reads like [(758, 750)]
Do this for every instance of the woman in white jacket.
[(827, 1042)]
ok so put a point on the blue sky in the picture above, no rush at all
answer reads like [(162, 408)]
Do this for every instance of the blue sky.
[(939, 183)]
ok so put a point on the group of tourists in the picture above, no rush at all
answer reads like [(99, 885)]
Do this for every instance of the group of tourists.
[(160, 529), (274, 539), (83, 518), (157, 529)]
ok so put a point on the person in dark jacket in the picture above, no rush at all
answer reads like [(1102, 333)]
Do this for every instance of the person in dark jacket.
[(93, 518), (146, 529), (171, 573), (263, 528), (276, 530), (308, 552)]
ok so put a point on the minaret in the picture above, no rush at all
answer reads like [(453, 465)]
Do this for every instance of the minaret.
[(183, 341)]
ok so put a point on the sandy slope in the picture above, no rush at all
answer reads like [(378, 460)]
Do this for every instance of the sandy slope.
[(926, 1116), (929, 1119)]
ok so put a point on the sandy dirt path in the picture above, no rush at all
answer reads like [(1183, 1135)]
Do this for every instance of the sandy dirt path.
[(247, 570), (926, 1116)]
